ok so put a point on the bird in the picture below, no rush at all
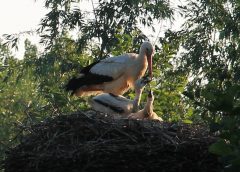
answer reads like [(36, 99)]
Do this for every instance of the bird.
[(147, 112), (112, 104), (114, 75)]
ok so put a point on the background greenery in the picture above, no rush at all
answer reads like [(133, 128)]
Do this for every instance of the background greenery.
[(196, 69)]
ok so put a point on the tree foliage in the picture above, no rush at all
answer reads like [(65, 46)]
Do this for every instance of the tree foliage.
[(196, 69), (108, 19), (32, 89), (210, 40)]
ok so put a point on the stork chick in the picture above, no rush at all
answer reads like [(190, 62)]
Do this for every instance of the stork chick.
[(114, 75), (111, 104), (147, 112)]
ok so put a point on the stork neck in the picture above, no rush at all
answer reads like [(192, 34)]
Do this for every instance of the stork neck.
[(137, 99), (142, 56), (142, 51), (148, 108)]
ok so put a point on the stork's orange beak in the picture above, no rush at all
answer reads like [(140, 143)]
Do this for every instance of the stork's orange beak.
[(149, 59)]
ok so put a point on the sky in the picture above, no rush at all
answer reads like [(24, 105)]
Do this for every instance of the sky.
[(24, 15), (21, 15)]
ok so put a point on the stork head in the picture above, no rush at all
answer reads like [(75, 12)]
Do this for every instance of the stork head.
[(141, 83), (150, 95), (148, 50)]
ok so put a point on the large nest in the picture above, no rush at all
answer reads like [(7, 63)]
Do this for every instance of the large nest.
[(89, 141)]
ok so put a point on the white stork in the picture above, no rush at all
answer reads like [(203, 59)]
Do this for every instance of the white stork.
[(112, 104), (147, 112), (113, 75)]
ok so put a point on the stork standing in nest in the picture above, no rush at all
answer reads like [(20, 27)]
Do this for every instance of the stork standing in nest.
[(147, 112), (112, 104), (114, 75)]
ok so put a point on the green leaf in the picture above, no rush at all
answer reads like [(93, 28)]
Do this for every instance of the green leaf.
[(236, 161), (187, 121), (221, 148)]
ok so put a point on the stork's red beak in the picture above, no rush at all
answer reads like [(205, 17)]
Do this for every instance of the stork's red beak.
[(149, 59)]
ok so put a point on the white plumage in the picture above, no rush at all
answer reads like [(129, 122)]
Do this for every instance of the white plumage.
[(113, 75), (113, 66), (112, 104)]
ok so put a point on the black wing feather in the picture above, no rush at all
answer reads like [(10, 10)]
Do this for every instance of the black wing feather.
[(86, 80), (87, 69), (114, 108)]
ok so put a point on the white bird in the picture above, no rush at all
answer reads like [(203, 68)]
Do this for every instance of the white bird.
[(113, 75), (112, 104), (147, 112)]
